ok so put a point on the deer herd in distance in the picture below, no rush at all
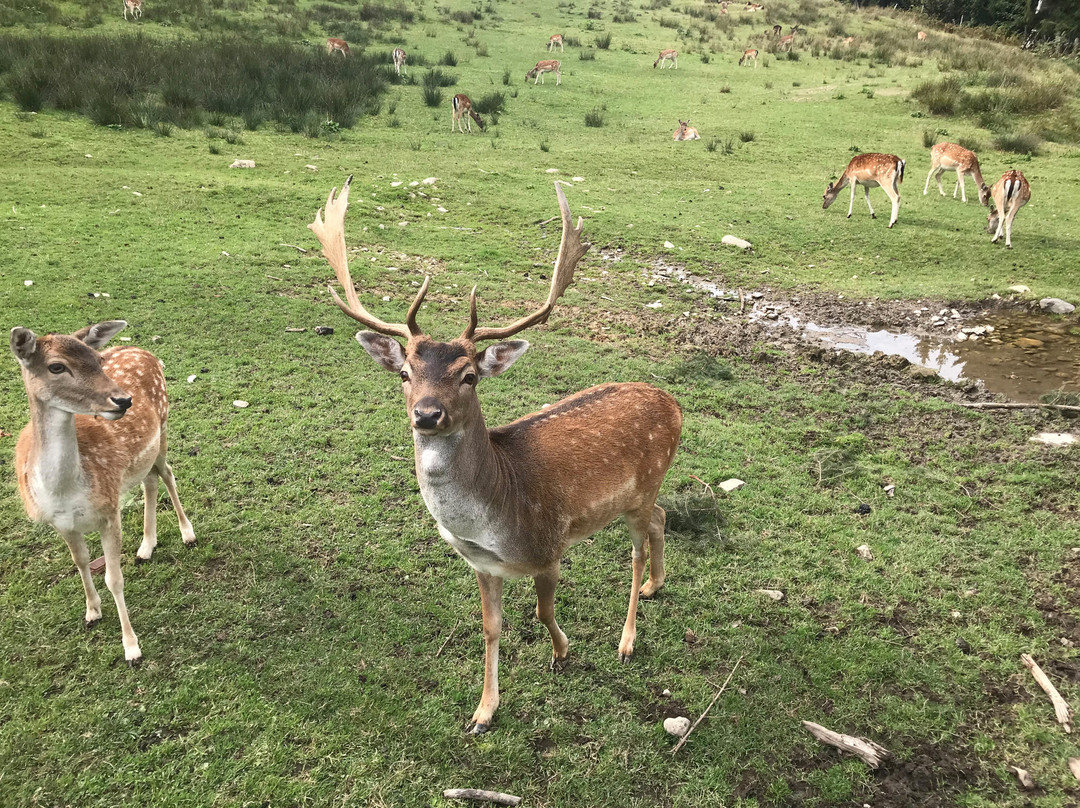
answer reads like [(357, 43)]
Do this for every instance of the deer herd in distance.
[(510, 500)]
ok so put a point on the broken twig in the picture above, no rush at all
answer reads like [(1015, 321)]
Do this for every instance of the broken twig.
[(481, 795), (1024, 776), (1074, 767), (1012, 405), (693, 726), (301, 249), (450, 637), (870, 753), (1061, 707)]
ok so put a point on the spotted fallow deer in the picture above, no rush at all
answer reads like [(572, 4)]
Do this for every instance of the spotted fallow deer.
[(749, 55), (333, 44), (399, 61), (461, 107), (666, 56), (97, 428), (511, 500), (1009, 194), (950, 157), (545, 66), (135, 7), (685, 132), (556, 39), (921, 36), (869, 170)]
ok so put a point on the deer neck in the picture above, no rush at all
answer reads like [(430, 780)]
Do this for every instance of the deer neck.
[(54, 473)]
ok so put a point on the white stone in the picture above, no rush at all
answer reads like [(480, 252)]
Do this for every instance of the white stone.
[(552, 171), (774, 594), (1019, 289), (1054, 438), (429, 180), (735, 241), (731, 485), (677, 726), (1055, 305), (654, 305), (191, 378), (310, 167), (668, 245), (578, 179), (242, 164), (241, 404), (864, 552), (27, 283)]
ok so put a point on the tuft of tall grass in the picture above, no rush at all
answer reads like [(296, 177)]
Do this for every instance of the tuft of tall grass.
[(603, 42), (747, 137), (595, 117), (437, 78), (432, 96), (1018, 143), (587, 55)]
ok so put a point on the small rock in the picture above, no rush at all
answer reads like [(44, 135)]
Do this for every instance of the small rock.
[(1054, 438), (668, 245), (310, 167), (157, 338), (240, 404), (666, 692), (552, 171), (295, 330), (864, 552), (1074, 767), (395, 184), (1028, 342), (677, 726), (242, 164), (889, 490), (191, 378), (963, 645), (578, 179), (429, 181), (731, 485), (1020, 289), (324, 330), (27, 283), (961, 337), (1023, 776), (774, 594), (441, 209), (735, 241), (654, 305), (919, 372), (1055, 305)]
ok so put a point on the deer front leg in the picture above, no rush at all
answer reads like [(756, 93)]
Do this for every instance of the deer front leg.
[(187, 533), (491, 608), (114, 580), (866, 196), (926, 188), (81, 556), (545, 613), (150, 495), (851, 204)]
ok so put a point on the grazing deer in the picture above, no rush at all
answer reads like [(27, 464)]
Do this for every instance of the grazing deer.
[(777, 29), (754, 7), (1009, 194), (950, 157), (848, 41), (339, 45), (665, 56), (511, 500), (921, 36), (785, 42), (556, 39), (461, 107), (869, 170), (749, 55), (686, 132), (97, 428), (399, 61), (135, 7), (545, 66), (723, 7)]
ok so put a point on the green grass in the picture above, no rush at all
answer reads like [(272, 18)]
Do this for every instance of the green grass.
[(292, 657)]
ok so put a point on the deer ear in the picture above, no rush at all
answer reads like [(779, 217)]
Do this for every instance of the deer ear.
[(387, 351), (497, 358), (100, 333), (23, 343)]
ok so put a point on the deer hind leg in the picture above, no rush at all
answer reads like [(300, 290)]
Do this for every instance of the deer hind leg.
[(81, 556), (866, 196), (639, 523), (491, 607), (1008, 225), (656, 553), (165, 471), (545, 613), (933, 171), (960, 186), (114, 580), (894, 195)]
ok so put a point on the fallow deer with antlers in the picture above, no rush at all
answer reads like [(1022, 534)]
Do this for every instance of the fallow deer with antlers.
[(97, 429), (511, 500)]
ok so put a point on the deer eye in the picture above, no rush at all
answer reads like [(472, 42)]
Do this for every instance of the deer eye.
[(56, 367), (404, 375), (469, 379)]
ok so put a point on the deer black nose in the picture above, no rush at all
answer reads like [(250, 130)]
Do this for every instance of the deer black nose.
[(427, 415), (122, 403)]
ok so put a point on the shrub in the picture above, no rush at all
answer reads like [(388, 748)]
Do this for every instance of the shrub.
[(587, 55), (1018, 143), (593, 13), (432, 96), (544, 146), (603, 42), (627, 16), (465, 17), (726, 88), (712, 145), (939, 97), (970, 143), (491, 104), (506, 77), (437, 78), (163, 129), (448, 59), (747, 137), (595, 117)]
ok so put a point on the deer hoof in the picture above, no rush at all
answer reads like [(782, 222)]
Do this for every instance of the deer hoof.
[(559, 665), (135, 663), (89, 624), (625, 658), (873, 215), (478, 729)]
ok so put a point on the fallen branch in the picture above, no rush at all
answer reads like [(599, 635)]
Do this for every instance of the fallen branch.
[(441, 647), (870, 753), (693, 726), (542, 222), (1024, 776), (301, 249), (482, 796), (1061, 707), (1009, 405)]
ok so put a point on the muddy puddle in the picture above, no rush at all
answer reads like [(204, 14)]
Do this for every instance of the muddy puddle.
[(1018, 354)]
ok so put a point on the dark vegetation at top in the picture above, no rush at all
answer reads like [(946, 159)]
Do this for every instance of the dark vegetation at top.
[(134, 81)]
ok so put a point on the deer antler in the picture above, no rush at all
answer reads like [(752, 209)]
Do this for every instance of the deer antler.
[(331, 233), (571, 250)]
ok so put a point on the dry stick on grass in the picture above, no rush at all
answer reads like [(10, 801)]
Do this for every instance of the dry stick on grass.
[(1002, 405), (693, 726), (1061, 707), (481, 795), (1074, 767), (870, 753), (441, 647), (301, 249)]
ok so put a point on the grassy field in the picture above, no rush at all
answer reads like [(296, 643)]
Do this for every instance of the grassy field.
[(321, 645)]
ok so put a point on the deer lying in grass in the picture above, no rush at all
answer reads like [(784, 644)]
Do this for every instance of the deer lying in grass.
[(686, 132), (97, 429), (513, 499), (869, 170), (1009, 194)]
